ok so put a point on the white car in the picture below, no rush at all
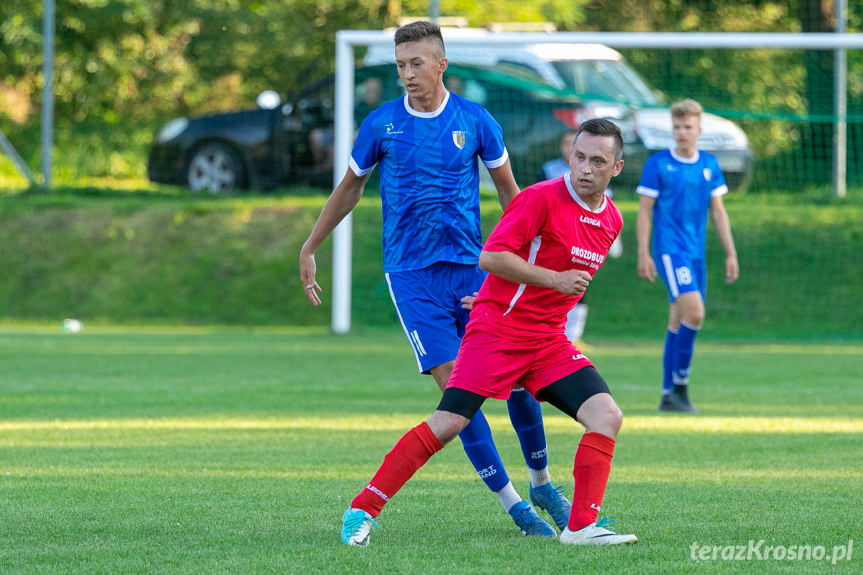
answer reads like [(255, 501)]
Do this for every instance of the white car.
[(610, 88)]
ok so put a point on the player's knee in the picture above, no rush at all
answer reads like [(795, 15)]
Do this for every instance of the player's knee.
[(612, 419), (446, 425), (454, 412), (694, 318), (691, 309), (601, 414)]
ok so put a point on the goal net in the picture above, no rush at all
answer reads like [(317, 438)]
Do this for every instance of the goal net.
[(784, 112)]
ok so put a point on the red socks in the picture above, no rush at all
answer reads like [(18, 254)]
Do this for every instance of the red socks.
[(409, 454), (590, 470)]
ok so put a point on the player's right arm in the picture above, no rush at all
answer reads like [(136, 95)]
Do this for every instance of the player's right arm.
[(512, 267), (643, 228), (522, 221), (340, 203)]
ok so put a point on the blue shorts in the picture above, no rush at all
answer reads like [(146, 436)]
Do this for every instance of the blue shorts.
[(682, 275), (428, 304)]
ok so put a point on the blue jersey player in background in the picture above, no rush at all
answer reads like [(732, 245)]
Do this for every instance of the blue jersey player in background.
[(678, 188), (426, 145)]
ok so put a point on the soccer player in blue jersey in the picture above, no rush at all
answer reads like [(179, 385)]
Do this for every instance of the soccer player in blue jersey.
[(426, 145), (678, 188)]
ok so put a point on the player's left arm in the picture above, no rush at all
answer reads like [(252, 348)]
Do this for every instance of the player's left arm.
[(467, 301), (504, 181), (719, 217), (492, 152)]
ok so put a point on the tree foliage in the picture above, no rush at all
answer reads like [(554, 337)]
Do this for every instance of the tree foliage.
[(139, 62), (126, 58)]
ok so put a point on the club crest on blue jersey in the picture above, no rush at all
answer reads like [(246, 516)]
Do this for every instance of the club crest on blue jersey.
[(707, 174), (458, 138)]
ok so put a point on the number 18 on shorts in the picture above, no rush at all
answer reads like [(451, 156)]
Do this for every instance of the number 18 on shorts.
[(682, 275)]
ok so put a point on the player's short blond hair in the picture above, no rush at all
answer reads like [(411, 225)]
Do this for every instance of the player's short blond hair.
[(687, 107)]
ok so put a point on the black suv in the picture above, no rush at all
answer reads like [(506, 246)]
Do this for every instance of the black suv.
[(291, 143)]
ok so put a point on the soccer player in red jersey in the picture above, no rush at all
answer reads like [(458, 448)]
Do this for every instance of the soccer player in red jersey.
[(541, 257)]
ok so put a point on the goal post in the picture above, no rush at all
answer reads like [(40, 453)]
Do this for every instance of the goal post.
[(348, 40)]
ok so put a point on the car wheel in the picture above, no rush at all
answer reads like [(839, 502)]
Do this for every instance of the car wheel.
[(735, 180), (214, 168)]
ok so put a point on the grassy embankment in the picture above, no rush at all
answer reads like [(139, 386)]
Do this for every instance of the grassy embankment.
[(164, 257)]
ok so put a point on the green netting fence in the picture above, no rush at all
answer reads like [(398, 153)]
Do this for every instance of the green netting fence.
[(784, 100)]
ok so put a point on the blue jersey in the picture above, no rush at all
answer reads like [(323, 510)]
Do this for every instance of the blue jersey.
[(429, 178), (682, 188), (554, 169)]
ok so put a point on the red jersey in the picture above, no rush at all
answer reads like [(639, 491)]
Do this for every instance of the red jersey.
[(548, 225)]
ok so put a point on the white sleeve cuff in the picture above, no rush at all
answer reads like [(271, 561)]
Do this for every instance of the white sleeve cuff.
[(720, 191), (492, 164), (649, 192), (357, 170)]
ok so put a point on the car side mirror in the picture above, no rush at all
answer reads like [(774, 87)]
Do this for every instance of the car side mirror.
[(268, 100)]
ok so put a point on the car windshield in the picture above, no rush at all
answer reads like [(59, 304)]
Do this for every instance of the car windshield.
[(607, 80)]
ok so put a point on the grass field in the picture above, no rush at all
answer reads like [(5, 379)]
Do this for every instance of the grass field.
[(231, 451)]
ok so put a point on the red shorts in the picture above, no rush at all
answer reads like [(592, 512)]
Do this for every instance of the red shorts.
[(490, 366)]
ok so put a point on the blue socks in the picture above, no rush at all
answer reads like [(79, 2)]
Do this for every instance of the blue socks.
[(526, 416), (685, 348), (479, 446), (668, 362)]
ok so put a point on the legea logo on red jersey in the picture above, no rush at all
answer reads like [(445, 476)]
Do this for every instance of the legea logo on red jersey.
[(590, 221)]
